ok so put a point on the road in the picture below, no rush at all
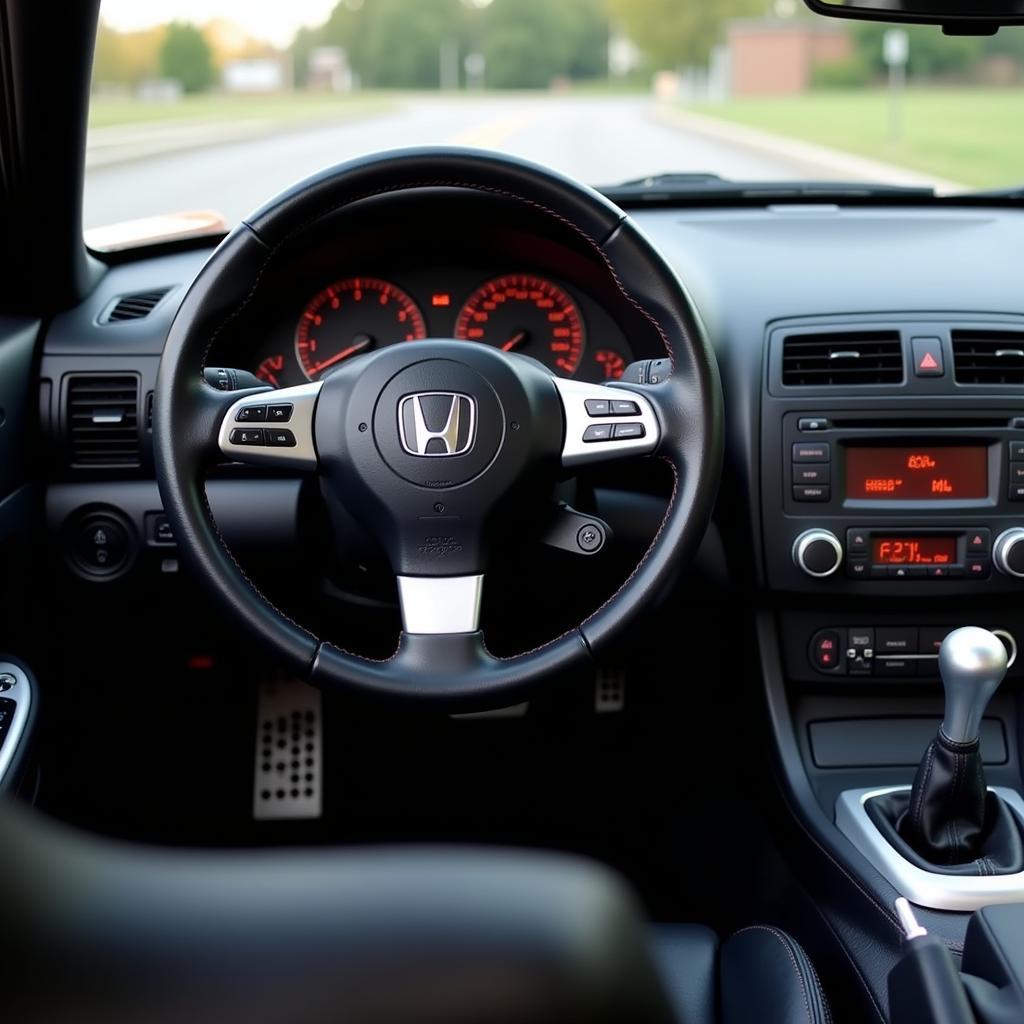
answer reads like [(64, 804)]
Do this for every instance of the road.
[(600, 140)]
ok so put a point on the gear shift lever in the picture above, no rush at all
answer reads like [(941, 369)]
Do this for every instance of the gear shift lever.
[(972, 663), (951, 814)]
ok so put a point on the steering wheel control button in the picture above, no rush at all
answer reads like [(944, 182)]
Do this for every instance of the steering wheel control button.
[(251, 414), (279, 413), (253, 437), (598, 407), (622, 407), (818, 553), (628, 431), (278, 437), (598, 432), (6, 681), (927, 353)]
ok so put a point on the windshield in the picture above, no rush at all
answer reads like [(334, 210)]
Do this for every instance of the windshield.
[(203, 109)]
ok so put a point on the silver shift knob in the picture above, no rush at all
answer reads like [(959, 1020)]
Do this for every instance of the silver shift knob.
[(972, 663)]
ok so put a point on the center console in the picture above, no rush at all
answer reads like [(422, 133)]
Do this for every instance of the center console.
[(891, 505)]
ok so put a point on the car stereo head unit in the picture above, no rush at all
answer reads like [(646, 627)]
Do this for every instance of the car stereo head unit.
[(868, 495)]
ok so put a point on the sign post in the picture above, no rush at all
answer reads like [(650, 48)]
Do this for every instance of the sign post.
[(896, 51)]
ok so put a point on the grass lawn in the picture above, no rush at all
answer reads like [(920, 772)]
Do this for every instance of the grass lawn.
[(106, 111), (974, 136)]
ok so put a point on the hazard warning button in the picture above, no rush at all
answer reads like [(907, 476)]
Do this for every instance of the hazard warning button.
[(927, 353)]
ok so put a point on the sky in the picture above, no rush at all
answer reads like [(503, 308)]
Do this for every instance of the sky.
[(275, 21)]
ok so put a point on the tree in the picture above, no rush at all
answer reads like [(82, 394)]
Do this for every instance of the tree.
[(528, 43), (186, 56), (680, 33)]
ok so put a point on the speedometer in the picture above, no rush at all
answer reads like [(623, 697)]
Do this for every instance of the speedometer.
[(528, 314), (354, 316)]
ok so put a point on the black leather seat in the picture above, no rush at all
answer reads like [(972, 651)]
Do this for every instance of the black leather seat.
[(760, 975), (96, 930)]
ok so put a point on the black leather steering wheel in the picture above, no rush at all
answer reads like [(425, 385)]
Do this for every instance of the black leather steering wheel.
[(431, 445)]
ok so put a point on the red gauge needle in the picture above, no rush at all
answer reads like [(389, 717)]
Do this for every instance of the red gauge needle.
[(514, 342), (343, 354)]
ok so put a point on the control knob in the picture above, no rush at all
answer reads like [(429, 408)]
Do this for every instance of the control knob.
[(1008, 553), (818, 553)]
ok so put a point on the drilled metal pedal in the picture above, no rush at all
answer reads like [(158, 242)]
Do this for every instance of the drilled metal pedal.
[(288, 777)]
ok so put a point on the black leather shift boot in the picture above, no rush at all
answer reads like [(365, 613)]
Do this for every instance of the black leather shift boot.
[(949, 822)]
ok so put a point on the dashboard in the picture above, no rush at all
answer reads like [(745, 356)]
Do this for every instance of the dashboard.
[(319, 324)]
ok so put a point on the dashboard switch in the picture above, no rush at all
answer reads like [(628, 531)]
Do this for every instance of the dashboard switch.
[(811, 473), (812, 451), (927, 354), (825, 651), (812, 492), (812, 423)]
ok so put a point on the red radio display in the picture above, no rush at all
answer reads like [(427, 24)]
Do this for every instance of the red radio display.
[(934, 473), (913, 550)]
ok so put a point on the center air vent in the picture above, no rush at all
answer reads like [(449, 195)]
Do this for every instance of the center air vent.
[(134, 306), (103, 421), (988, 357), (837, 359)]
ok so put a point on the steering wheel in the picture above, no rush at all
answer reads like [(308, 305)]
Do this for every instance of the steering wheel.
[(437, 447)]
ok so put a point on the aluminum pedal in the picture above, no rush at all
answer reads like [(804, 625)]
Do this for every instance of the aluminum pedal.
[(288, 776)]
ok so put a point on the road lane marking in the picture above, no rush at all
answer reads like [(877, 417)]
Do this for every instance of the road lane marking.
[(491, 134)]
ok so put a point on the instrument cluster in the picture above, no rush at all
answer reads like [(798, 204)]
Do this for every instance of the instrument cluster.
[(516, 312)]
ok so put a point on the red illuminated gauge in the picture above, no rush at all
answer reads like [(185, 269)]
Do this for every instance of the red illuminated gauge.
[(610, 364), (270, 370), (522, 313), (354, 316)]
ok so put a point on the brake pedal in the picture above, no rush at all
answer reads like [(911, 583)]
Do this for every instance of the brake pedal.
[(288, 776)]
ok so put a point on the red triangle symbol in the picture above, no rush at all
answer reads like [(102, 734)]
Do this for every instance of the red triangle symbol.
[(928, 362)]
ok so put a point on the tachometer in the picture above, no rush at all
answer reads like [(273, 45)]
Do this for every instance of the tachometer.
[(528, 314), (354, 316)]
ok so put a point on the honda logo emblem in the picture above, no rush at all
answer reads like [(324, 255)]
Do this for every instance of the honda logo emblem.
[(437, 423)]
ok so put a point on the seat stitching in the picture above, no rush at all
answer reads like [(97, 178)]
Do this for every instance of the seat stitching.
[(792, 959)]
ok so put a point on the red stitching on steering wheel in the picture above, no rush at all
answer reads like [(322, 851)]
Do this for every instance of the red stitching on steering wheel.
[(491, 190)]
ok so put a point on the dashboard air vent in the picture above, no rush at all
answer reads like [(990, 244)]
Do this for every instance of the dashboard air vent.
[(836, 359), (103, 421), (134, 306), (988, 357)]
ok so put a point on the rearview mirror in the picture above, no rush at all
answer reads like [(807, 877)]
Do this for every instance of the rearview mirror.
[(966, 17)]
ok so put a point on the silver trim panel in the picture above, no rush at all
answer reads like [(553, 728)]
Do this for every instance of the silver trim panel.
[(440, 604), (575, 451), (21, 693), (303, 402), (925, 888)]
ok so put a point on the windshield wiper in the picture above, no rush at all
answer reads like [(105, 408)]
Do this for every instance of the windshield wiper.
[(667, 187)]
